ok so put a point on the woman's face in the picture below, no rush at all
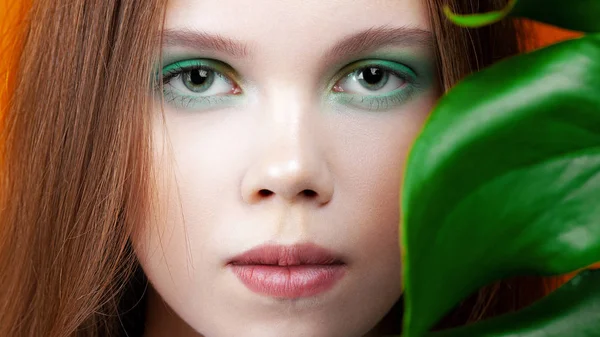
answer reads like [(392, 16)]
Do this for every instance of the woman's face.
[(279, 163)]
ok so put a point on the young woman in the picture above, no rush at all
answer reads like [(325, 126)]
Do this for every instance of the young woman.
[(222, 168)]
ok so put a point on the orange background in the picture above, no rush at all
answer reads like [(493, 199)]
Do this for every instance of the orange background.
[(12, 14), (546, 34)]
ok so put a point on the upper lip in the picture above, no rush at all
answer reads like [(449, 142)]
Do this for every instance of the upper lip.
[(280, 255)]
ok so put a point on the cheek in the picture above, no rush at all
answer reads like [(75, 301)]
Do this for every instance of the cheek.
[(371, 156), (164, 245), (371, 153)]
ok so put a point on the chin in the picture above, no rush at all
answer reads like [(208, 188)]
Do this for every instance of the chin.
[(291, 328), (306, 317)]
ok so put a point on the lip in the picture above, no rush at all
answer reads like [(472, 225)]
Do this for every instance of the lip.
[(296, 271)]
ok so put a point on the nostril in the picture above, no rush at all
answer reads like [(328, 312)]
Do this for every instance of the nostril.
[(264, 193), (309, 193)]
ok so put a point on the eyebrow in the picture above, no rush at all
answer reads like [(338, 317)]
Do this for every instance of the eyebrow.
[(204, 41), (361, 42), (378, 37)]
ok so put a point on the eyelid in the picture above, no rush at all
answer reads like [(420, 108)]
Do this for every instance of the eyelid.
[(384, 64), (176, 68)]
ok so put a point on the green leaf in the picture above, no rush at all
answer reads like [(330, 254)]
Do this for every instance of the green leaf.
[(504, 180), (480, 19), (580, 15), (573, 311)]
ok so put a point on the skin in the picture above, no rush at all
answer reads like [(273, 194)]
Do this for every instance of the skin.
[(286, 129)]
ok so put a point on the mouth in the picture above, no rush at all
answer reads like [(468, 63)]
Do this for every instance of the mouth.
[(302, 270)]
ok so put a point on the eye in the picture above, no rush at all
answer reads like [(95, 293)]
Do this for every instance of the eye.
[(376, 85), (193, 81), (375, 79)]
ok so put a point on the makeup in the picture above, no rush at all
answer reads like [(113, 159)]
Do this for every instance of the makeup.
[(400, 78)]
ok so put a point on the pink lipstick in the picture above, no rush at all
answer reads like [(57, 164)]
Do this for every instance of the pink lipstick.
[(296, 271)]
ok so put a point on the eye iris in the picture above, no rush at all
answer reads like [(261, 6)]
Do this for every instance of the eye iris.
[(373, 78), (198, 80)]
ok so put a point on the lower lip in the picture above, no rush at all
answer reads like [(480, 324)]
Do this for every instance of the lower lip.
[(289, 281)]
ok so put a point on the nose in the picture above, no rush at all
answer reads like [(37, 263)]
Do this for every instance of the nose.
[(291, 165), (291, 175)]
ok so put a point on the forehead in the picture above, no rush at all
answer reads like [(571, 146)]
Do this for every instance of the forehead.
[(289, 24)]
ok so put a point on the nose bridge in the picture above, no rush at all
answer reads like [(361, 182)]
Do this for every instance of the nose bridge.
[(290, 166)]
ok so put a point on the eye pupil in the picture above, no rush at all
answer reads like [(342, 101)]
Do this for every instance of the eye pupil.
[(372, 75), (198, 76)]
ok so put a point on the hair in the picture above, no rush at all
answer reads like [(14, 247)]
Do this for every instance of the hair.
[(75, 156)]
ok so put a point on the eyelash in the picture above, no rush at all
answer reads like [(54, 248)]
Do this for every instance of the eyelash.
[(378, 103), (370, 102), (178, 71)]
